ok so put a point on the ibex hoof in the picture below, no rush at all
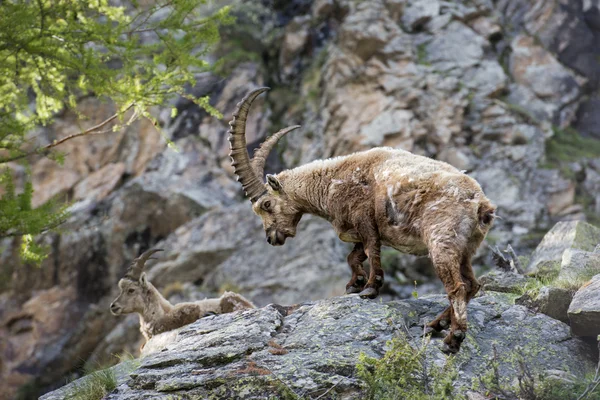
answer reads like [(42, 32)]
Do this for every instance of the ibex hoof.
[(459, 335), (447, 349), (352, 290), (369, 293)]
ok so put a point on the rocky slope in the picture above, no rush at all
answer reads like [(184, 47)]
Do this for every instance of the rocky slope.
[(312, 349), (493, 87)]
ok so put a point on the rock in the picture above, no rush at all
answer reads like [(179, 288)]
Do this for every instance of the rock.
[(487, 28), (389, 123), (578, 266), (576, 235), (366, 31), (457, 47), (584, 311), (294, 41), (315, 347), (532, 66), (100, 183), (488, 78), (456, 158), (588, 117), (552, 301), (561, 198), (418, 12), (505, 282)]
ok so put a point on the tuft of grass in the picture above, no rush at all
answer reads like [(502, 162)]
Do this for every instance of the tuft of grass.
[(94, 386), (533, 286)]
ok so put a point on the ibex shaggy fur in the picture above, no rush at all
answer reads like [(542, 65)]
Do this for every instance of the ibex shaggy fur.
[(157, 315), (382, 196)]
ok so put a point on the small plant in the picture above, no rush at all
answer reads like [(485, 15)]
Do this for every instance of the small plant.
[(404, 373), (531, 384), (93, 386)]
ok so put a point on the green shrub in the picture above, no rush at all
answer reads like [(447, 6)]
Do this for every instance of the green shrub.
[(403, 373)]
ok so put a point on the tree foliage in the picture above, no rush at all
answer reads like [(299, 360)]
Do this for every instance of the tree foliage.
[(136, 54)]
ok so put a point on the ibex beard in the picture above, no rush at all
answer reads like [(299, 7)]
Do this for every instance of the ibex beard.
[(382, 196)]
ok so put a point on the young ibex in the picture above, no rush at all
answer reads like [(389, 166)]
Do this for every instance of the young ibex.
[(157, 315), (381, 196)]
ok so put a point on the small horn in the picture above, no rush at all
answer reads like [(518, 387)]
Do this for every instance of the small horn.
[(240, 160), (137, 265), (261, 153)]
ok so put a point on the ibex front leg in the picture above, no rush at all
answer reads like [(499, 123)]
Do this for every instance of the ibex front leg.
[(359, 276)]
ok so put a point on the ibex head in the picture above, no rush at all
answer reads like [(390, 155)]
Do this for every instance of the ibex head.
[(133, 286), (280, 216)]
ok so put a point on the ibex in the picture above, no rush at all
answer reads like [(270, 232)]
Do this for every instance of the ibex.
[(382, 196), (157, 315)]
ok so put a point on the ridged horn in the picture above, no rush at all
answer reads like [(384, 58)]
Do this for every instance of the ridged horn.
[(137, 265), (261, 153), (240, 160)]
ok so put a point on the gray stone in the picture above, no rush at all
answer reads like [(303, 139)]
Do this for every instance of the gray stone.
[(548, 255), (584, 311), (314, 347), (487, 79), (457, 47), (505, 282), (389, 123), (418, 12), (552, 301), (578, 266)]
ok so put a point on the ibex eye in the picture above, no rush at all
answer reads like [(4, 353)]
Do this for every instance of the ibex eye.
[(130, 291), (267, 205)]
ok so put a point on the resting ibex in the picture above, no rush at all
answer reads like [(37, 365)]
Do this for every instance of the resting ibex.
[(157, 315), (381, 196)]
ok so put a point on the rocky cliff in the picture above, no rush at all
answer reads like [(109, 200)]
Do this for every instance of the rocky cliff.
[(506, 90)]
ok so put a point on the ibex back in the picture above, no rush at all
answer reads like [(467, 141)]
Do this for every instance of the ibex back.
[(386, 196)]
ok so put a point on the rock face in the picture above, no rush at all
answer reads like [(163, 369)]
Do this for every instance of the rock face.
[(584, 311), (313, 348), (484, 85)]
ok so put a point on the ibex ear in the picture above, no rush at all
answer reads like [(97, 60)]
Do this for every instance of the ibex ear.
[(143, 280), (274, 183)]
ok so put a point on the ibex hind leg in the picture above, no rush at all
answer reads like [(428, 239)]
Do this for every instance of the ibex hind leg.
[(359, 277)]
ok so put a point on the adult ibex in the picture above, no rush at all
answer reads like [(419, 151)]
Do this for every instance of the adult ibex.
[(381, 196), (157, 315)]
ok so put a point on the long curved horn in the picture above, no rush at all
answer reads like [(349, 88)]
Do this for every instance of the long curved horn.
[(240, 160), (137, 265), (261, 153)]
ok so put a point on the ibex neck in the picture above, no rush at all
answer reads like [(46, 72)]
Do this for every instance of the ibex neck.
[(308, 187), (155, 305)]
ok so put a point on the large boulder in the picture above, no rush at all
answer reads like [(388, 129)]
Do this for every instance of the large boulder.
[(578, 267), (314, 348), (552, 301), (548, 255), (584, 311)]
